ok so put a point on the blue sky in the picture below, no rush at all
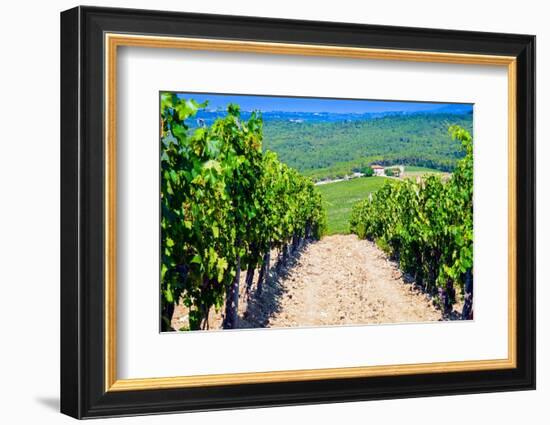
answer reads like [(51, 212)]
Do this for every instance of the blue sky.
[(297, 104)]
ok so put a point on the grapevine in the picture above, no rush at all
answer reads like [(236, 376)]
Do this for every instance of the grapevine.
[(225, 204), (427, 226)]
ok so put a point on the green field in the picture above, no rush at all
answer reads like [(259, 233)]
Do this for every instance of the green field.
[(414, 172), (413, 169), (339, 198)]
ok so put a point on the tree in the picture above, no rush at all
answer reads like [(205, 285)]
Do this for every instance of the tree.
[(367, 171), (391, 172)]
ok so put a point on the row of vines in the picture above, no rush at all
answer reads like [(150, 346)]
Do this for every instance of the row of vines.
[(225, 204), (427, 226)]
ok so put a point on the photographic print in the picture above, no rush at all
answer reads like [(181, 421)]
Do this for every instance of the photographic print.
[(281, 212)]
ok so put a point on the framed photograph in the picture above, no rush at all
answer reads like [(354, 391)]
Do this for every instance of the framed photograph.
[(261, 212)]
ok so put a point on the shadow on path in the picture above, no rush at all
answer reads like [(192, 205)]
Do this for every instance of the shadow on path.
[(263, 306)]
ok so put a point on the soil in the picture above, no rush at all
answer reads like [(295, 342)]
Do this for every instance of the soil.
[(339, 280)]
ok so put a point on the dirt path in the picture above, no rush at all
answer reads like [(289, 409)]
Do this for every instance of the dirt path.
[(339, 280), (343, 280)]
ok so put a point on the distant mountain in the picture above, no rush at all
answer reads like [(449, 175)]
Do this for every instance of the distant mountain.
[(208, 116), (457, 108)]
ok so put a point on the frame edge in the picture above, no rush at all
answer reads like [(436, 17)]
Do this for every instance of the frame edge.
[(70, 349)]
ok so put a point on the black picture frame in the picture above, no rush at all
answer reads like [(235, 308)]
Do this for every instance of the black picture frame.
[(83, 392)]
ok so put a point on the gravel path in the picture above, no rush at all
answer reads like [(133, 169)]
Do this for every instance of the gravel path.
[(340, 280)]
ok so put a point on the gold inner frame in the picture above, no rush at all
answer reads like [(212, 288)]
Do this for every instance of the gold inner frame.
[(113, 41)]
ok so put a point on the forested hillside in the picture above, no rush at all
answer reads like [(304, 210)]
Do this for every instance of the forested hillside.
[(332, 145), (332, 149)]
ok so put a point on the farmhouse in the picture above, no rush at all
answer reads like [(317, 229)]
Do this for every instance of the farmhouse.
[(378, 170)]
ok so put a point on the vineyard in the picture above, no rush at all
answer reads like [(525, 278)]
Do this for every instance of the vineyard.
[(225, 204), (241, 233), (427, 227)]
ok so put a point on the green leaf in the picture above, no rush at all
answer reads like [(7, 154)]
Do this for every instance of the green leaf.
[(197, 259), (213, 165)]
